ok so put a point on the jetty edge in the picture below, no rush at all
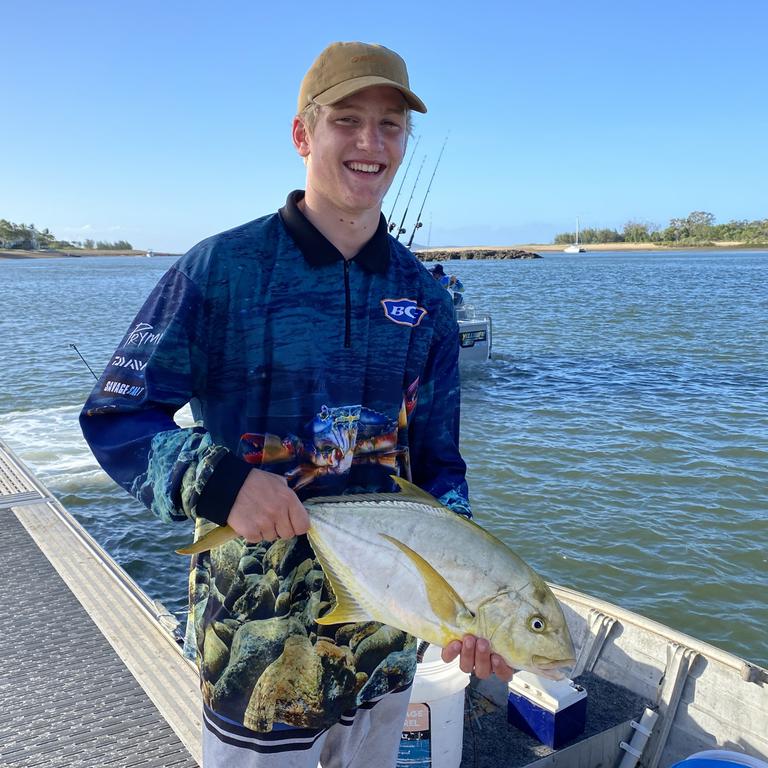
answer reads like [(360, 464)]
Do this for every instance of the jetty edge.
[(93, 673)]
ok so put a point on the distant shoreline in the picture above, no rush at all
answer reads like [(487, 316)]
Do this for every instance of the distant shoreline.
[(526, 251), (74, 254), (480, 251)]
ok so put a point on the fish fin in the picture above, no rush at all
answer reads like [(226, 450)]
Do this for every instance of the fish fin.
[(445, 601), (349, 498), (347, 609), (344, 614), (215, 538), (414, 493)]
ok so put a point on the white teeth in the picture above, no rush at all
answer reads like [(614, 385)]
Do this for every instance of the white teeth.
[(365, 167)]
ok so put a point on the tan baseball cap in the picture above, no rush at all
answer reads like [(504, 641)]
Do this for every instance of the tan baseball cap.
[(346, 68)]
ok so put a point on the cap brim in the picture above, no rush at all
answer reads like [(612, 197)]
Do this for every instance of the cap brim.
[(342, 90)]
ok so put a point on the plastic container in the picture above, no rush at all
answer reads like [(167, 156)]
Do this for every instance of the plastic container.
[(552, 711), (433, 732), (720, 758)]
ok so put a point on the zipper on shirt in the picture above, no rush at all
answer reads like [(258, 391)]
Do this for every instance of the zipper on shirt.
[(347, 308)]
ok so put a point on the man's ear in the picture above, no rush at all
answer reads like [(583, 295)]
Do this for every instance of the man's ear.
[(300, 137)]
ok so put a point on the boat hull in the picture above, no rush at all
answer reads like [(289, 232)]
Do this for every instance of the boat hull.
[(475, 336)]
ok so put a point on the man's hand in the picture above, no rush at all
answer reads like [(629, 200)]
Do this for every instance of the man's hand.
[(476, 657), (267, 509)]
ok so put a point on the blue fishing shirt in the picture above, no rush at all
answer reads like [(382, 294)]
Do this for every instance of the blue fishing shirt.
[(333, 373)]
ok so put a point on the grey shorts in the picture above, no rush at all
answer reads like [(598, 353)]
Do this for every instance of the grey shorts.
[(369, 737)]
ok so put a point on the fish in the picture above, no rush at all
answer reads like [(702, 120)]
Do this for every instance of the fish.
[(405, 560)]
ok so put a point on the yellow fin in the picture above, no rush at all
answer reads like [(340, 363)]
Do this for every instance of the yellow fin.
[(445, 601), (347, 609), (344, 614), (414, 493), (215, 538)]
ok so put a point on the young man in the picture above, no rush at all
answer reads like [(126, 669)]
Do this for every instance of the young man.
[(320, 358)]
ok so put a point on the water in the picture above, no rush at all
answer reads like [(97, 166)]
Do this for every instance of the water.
[(618, 440)]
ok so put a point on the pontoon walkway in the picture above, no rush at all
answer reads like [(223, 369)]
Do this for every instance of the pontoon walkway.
[(89, 675)]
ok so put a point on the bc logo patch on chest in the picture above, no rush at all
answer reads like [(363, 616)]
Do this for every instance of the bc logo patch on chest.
[(403, 311)]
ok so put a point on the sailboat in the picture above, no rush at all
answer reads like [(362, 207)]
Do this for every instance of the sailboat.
[(574, 247)]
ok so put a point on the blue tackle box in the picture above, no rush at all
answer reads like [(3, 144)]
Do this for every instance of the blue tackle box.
[(552, 711)]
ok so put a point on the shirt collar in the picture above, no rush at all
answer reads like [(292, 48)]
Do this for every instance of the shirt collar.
[(319, 251)]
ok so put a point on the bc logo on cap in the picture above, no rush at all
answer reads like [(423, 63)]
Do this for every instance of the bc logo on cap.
[(403, 311)]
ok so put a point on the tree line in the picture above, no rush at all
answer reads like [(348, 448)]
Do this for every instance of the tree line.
[(29, 238), (698, 228)]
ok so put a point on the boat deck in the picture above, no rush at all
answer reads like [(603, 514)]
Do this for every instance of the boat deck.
[(89, 675), (490, 741)]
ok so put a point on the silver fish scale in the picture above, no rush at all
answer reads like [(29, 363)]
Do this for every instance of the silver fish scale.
[(434, 538)]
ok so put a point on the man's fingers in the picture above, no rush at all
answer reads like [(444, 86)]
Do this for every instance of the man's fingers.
[(269, 532), (475, 656), (267, 509), (501, 669), (284, 526), (482, 658), (298, 517), (467, 660), (451, 651)]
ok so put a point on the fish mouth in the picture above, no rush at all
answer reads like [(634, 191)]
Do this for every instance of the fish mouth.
[(554, 669)]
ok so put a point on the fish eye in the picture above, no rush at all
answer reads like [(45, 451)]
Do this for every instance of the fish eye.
[(537, 623)]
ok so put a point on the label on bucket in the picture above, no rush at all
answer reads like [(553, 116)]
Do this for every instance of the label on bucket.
[(416, 742)]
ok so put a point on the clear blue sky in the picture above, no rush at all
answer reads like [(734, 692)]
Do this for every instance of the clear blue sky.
[(164, 122)]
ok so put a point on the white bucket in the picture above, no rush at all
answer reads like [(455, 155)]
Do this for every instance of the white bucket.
[(433, 733)]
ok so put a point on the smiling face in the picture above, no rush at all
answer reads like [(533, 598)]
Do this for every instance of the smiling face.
[(354, 150)]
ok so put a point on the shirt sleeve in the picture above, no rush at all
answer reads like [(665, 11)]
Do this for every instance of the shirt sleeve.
[(437, 465), (127, 421)]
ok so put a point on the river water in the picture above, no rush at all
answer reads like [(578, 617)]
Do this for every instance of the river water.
[(618, 440)]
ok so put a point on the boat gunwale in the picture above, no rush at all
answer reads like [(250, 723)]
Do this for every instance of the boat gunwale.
[(626, 616)]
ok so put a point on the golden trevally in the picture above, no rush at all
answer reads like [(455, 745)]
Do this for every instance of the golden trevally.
[(405, 560)]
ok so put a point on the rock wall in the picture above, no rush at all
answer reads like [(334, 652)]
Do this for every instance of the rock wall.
[(437, 254)]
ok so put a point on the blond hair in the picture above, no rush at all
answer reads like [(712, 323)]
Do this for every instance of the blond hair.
[(311, 114)]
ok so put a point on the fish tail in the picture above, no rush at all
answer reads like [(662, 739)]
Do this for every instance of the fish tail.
[(218, 536)]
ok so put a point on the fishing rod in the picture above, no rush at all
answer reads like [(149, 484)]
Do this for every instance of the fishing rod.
[(85, 361), (400, 189), (401, 229), (423, 203)]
